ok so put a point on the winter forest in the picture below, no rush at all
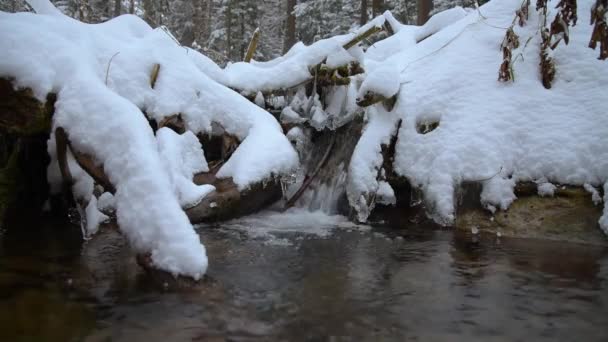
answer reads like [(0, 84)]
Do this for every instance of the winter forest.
[(222, 29), (303, 170)]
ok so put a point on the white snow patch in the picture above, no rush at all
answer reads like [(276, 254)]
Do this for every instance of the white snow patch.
[(182, 158), (385, 194), (106, 202), (367, 159), (546, 189), (383, 81), (94, 217), (604, 218), (595, 195)]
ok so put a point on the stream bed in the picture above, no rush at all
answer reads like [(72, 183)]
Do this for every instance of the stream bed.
[(304, 278)]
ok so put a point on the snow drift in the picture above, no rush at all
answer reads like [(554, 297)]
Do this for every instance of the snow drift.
[(101, 75), (490, 132)]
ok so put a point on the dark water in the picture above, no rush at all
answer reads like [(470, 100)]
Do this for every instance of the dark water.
[(427, 285)]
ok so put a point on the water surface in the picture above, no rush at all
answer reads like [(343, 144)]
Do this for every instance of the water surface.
[(394, 283)]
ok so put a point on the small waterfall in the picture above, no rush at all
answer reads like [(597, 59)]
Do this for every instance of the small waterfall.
[(327, 191)]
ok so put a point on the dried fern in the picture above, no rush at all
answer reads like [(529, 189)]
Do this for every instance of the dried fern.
[(599, 12)]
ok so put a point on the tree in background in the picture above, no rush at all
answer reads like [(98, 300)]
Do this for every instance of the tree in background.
[(290, 27), (221, 29), (424, 10)]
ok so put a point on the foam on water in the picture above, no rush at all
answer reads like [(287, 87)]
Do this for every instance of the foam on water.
[(280, 228)]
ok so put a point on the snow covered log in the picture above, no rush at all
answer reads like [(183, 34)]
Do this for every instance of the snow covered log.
[(101, 75)]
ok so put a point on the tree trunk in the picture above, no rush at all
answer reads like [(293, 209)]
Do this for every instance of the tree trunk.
[(117, 8), (149, 13), (424, 9), (377, 7), (131, 6), (363, 16), (290, 30)]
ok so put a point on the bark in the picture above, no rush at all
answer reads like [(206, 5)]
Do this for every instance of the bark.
[(424, 9), (377, 7), (290, 29), (363, 17), (149, 12)]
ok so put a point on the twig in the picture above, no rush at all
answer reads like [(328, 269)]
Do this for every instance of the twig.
[(487, 178), (154, 75), (253, 44), (108, 68)]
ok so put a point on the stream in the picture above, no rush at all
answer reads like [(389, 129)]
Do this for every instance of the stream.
[(304, 277)]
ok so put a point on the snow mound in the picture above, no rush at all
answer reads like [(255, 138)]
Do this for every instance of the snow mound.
[(486, 131), (102, 77)]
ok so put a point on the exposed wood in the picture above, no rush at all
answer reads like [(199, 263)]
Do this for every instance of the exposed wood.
[(370, 99), (154, 75), (86, 162), (362, 36), (253, 45), (174, 122)]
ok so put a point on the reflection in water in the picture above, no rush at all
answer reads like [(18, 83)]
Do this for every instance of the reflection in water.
[(424, 284)]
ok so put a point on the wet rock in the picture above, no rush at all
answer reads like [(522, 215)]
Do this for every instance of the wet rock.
[(568, 216)]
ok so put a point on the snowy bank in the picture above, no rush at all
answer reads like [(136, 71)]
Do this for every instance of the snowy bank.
[(101, 75), (498, 134)]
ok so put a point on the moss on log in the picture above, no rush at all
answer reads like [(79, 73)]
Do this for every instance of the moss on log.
[(21, 113)]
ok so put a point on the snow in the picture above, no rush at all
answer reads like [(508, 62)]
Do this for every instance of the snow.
[(94, 217), (490, 132), (385, 194), (289, 116), (595, 195), (182, 158), (289, 70), (366, 160), (101, 75), (106, 202), (604, 218), (546, 189), (382, 81), (439, 21), (522, 129)]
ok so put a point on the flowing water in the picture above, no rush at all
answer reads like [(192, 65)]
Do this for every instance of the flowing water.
[(304, 277)]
